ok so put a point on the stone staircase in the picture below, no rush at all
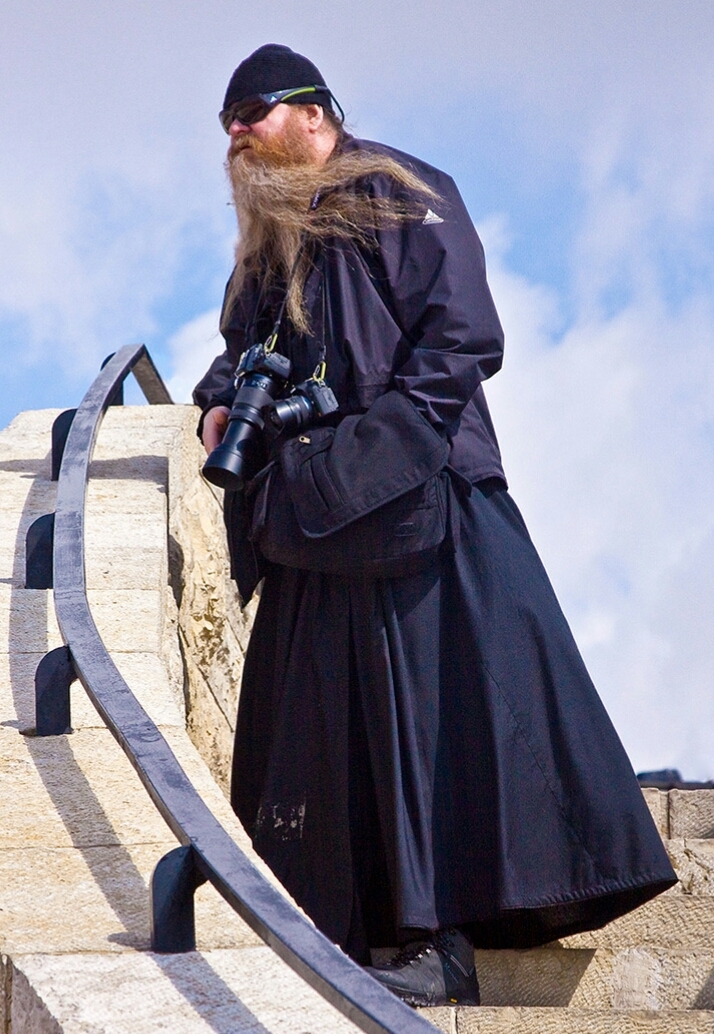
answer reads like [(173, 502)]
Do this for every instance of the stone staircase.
[(79, 836)]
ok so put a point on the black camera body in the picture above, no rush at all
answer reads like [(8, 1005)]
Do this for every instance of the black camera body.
[(261, 375), (310, 401)]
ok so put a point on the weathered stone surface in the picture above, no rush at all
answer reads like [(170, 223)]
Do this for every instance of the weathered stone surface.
[(580, 1021), (96, 899), (108, 567), (28, 438), (694, 863), (208, 726), (658, 803), (691, 813), (213, 629), (4, 995), (673, 920), (24, 496), (142, 491), (147, 676), (632, 978), (127, 619), (27, 621), (249, 991), (78, 790), (27, 1012)]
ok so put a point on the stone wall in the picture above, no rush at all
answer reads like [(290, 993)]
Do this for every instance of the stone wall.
[(213, 630)]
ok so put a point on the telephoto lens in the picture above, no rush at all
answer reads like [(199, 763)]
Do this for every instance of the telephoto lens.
[(260, 377)]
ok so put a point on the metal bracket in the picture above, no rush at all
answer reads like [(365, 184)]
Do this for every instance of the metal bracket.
[(60, 431), (39, 544), (173, 883), (54, 675)]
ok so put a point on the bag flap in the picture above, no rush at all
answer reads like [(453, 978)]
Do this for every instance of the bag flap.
[(336, 475)]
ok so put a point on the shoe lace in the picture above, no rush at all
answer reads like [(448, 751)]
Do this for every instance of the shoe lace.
[(410, 952)]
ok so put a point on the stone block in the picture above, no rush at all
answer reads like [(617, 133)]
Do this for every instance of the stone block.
[(27, 621), (78, 790), (632, 978), (127, 619), (209, 728), (693, 861), (672, 920), (24, 497), (580, 1021), (126, 567), (147, 675), (142, 489), (244, 991), (213, 629), (691, 813), (658, 803), (28, 438), (96, 899)]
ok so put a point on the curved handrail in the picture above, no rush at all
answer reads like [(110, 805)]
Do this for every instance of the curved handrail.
[(320, 963)]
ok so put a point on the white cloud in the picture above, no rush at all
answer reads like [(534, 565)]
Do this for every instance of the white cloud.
[(192, 349), (608, 437)]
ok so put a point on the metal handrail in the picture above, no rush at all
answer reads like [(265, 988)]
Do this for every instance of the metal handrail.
[(217, 857)]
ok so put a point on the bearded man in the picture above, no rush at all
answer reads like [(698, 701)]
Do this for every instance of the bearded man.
[(421, 758)]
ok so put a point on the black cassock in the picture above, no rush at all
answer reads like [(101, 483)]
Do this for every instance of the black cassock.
[(429, 750)]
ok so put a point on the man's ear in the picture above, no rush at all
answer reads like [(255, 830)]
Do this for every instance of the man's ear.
[(315, 114)]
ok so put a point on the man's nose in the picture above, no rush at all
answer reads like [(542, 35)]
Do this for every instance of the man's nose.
[(237, 128)]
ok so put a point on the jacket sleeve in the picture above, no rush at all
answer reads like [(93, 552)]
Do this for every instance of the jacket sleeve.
[(435, 274)]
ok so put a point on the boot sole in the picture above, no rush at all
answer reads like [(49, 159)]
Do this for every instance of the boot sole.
[(432, 1001)]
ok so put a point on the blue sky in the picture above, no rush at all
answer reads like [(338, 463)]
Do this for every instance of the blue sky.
[(582, 138)]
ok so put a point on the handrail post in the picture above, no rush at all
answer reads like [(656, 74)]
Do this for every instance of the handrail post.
[(54, 675), (39, 545), (173, 883), (60, 430)]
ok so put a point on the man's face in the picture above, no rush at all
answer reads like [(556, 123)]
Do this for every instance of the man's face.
[(282, 136)]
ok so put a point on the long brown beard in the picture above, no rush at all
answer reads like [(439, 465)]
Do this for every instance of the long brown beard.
[(274, 188)]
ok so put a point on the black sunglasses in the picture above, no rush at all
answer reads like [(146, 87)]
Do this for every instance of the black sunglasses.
[(255, 109)]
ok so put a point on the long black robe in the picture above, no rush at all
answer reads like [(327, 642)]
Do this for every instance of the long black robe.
[(428, 750)]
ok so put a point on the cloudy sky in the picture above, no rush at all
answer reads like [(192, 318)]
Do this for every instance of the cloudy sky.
[(582, 137)]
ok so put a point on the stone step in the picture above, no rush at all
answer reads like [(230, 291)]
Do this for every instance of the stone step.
[(157, 689), (239, 991), (128, 620), (629, 978), (672, 920), (569, 1021), (680, 814)]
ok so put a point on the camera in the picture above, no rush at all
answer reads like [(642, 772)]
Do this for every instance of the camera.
[(261, 375), (309, 401)]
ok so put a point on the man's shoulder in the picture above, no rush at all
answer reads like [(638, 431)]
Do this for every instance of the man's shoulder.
[(428, 172)]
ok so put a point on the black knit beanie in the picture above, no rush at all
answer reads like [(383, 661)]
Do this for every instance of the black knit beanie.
[(275, 67)]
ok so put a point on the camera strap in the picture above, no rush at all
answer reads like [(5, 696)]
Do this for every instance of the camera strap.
[(272, 339)]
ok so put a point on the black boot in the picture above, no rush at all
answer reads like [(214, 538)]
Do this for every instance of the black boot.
[(438, 970)]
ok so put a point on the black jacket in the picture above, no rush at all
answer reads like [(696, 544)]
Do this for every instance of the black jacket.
[(415, 313)]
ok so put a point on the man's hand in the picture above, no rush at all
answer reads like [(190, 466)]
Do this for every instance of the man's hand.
[(215, 423)]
